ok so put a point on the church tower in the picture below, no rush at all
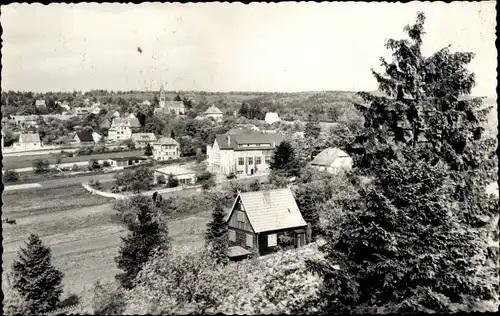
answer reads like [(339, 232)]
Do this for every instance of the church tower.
[(163, 97)]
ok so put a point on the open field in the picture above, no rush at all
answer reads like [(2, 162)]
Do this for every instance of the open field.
[(16, 162), (82, 230)]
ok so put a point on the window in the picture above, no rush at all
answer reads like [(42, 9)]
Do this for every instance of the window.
[(258, 160), (271, 240), (250, 160), (249, 240), (241, 161), (239, 172), (232, 235), (268, 159)]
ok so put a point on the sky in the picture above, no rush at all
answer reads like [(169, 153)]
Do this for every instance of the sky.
[(284, 47)]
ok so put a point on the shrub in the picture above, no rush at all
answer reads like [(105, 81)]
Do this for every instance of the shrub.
[(106, 164), (161, 179), (94, 165), (84, 151), (172, 181), (10, 176), (75, 167), (231, 176), (40, 166)]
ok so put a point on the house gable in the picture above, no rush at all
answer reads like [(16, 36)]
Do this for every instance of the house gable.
[(238, 218)]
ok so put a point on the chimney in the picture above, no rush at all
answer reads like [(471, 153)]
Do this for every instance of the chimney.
[(229, 140)]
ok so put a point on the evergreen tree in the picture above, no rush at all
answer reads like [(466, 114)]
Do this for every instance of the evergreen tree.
[(145, 236), (172, 134), (312, 129), (34, 277), (148, 151), (216, 238), (284, 161), (417, 238)]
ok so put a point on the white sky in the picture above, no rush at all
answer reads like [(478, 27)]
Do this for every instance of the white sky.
[(223, 47)]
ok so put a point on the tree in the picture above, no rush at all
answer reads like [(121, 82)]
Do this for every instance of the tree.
[(94, 165), (312, 129), (40, 166), (148, 151), (161, 179), (10, 176), (172, 181), (172, 134), (206, 179), (408, 242), (284, 160), (177, 98), (108, 299), (34, 277), (216, 235), (153, 125), (145, 236)]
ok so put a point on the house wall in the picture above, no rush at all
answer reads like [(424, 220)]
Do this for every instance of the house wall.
[(264, 247), (241, 229), (27, 146), (119, 133), (215, 116), (165, 152)]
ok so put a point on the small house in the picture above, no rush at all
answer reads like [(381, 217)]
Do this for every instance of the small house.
[(260, 221), (120, 162), (40, 103), (184, 175), (142, 139), (332, 160), (84, 139), (214, 112), (272, 117), (28, 142)]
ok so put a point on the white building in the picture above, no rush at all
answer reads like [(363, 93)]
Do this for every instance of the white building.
[(272, 117), (146, 102), (97, 138), (332, 160), (166, 148), (83, 110), (242, 152), (28, 142), (40, 103), (214, 112), (122, 129), (184, 175)]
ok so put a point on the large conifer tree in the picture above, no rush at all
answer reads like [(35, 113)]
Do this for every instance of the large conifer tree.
[(417, 239), (34, 277), (216, 238)]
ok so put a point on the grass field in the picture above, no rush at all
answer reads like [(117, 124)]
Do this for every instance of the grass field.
[(25, 161), (82, 230)]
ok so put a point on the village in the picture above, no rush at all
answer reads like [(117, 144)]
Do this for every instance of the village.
[(178, 198)]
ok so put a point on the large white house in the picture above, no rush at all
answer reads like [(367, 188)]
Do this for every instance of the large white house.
[(122, 129), (166, 148), (242, 152), (332, 160), (214, 112), (28, 142)]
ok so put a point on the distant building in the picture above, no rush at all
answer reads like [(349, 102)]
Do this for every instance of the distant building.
[(332, 160), (28, 142), (257, 220), (120, 162), (64, 105), (96, 110), (82, 110), (184, 175), (84, 139), (242, 152), (105, 123), (131, 116), (214, 112), (142, 139), (97, 138), (272, 117), (146, 102), (166, 148), (24, 121), (60, 117), (40, 103), (122, 129), (116, 114), (174, 107)]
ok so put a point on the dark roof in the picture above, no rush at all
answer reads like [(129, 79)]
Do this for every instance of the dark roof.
[(247, 137), (85, 136)]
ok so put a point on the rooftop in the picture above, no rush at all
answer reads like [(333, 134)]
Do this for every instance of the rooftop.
[(29, 138), (167, 141), (85, 136), (328, 156), (213, 110), (271, 210), (175, 170), (231, 140)]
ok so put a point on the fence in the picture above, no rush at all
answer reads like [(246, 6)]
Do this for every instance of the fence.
[(118, 196)]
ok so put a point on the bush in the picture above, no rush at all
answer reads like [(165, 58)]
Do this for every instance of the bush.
[(94, 165), (231, 176), (161, 179), (84, 151), (40, 166), (106, 164), (75, 167), (172, 181), (10, 176)]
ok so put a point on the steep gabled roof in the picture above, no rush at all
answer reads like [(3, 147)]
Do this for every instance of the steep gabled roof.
[(213, 110), (271, 210), (328, 156), (29, 138), (85, 136)]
